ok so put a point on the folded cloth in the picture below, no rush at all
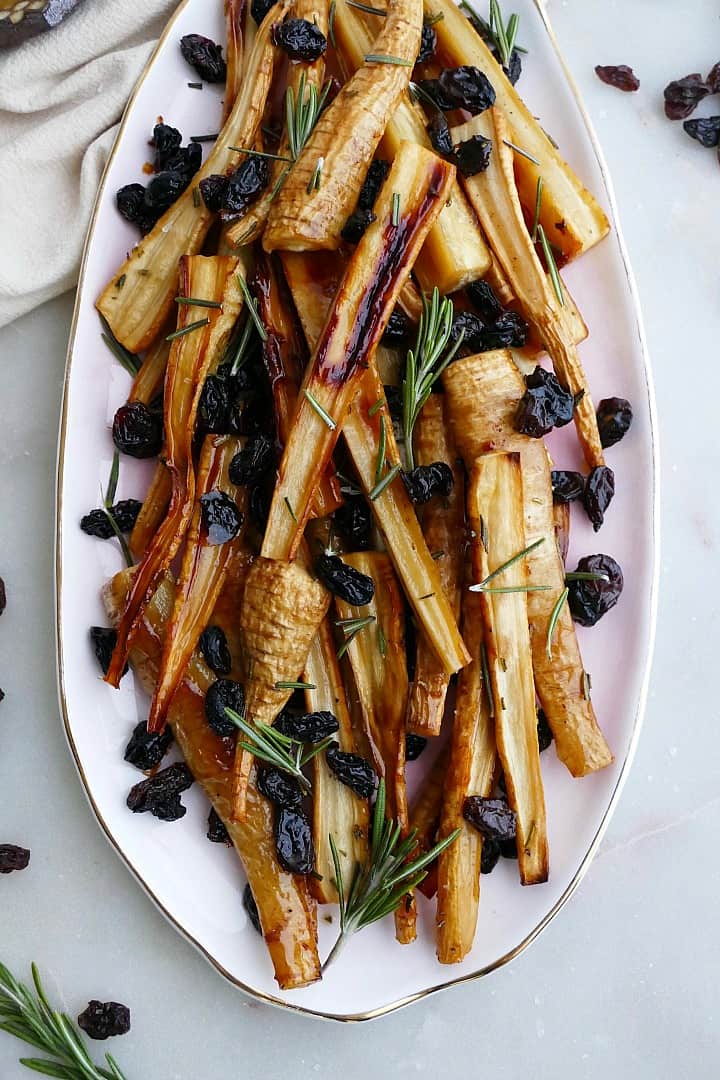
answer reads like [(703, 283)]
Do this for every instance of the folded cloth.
[(61, 97)]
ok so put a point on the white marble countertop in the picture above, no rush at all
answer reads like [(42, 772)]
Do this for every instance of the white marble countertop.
[(624, 981)]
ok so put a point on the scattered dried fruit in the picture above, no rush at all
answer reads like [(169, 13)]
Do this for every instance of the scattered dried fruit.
[(103, 639), (598, 494), (489, 856), (251, 908), (545, 735), (213, 407), (306, 727), (205, 56), (424, 481), (352, 770), (160, 794), (345, 581), (682, 96), (224, 694), (544, 405), (492, 817), (97, 523), (428, 44), (706, 131), (590, 600), (215, 650), (138, 431), (353, 521), (145, 749), (216, 830), (103, 1019), (254, 461), (220, 517), (300, 39), (620, 76), (567, 486), (614, 417), (439, 131), (245, 185), (294, 842), (461, 88), (473, 155), (278, 786), (12, 858), (398, 329)]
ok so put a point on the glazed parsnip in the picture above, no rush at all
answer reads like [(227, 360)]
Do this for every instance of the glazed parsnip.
[(287, 911), (202, 574), (344, 139), (139, 297), (454, 252), (482, 397), (425, 814), (235, 52), (149, 379), (561, 517), (363, 304), (470, 771), (495, 198), (443, 526), (495, 510), (572, 219), (154, 508)]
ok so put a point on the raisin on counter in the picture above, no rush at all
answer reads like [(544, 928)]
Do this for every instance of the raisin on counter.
[(103, 1019), (682, 96), (620, 76), (614, 417), (589, 600), (352, 770), (345, 581), (220, 517), (299, 39), (146, 749), (12, 858), (598, 494), (216, 829), (215, 650), (293, 841), (160, 794), (224, 694), (137, 431), (204, 56), (306, 727), (705, 131)]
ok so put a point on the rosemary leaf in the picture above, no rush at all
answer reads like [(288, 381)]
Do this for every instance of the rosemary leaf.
[(480, 587), (193, 301), (252, 307), (554, 616), (551, 266), (374, 409), (387, 479), (331, 24), (384, 58), (538, 206), (314, 181), (322, 413), (510, 588), (351, 628), (381, 641), (288, 504), (585, 575), (295, 686), (187, 329), (382, 445), (259, 153), (111, 489), (396, 208), (519, 150), (366, 7), (195, 85), (204, 138), (128, 360)]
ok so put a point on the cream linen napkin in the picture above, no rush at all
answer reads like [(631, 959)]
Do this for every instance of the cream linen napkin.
[(61, 97)]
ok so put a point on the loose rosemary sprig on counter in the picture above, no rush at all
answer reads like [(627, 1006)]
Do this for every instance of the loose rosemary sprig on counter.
[(426, 362), (269, 745), (29, 1017), (379, 885)]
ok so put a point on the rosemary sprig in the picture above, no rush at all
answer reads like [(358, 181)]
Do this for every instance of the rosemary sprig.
[(510, 588), (366, 7), (554, 616), (259, 153), (194, 301), (385, 58), (519, 150), (396, 208), (290, 510), (240, 349), (331, 24), (268, 744), (108, 498), (187, 329), (29, 1017), (302, 113), (551, 266), (585, 575), (252, 307), (426, 362), (382, 449), (379, 886), (504, 35), (128, 360), (387, 479), (376, 407), (314, 181), (381, 641), (351, 628), (538, 206), (480, 587), (322, 413), (486, 681), (295, 685)]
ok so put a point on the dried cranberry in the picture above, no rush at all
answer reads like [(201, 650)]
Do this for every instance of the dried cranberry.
[(306, 727), (103, 1019), (213, 189), (398, 328), (706, 131), (489, 855), (260, 8), (355, 226), (300, 39), (12, 858), (620, 76), (345, 581), (352, 770), (278, 787), (220, 517), (103, 640), (167, 141), (614, 417), (245, 185), (251, 908), (428, 44), (254, 461), (473, 155), (544, 732), (683, 95), (424, 481), (130, 201), (215, 651), (544, 405), (293, 841), (354, 522), (598, 494), (567, 486), (414, 746), (374, 180), (205, 56), (461, 88), (160, 794), (482, 297), (213, 407), (224, 694), (589, 600), (137, 431), (217, 830), (146, 749), (491, 817)]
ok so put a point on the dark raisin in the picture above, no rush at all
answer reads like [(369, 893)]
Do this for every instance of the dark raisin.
[(103, 639), (163, 190), (414, 746), (356, 224), (300, 39), (214, 647), (544, 405), (260, 8), (167, 141), (489, 856), (470, 326), (137, 431), (213, 407), (187, 160), (102, 1019), (706, 131), (224, 694), (126, 513), (259, 504), (160, 794), (251, 908), (245, 185), (598, 494), (428, 44), (508, 848), (220, 517), (146, 749), (393, 396), (352, 770), (12, 858), (620, 76), (509, 331), (567, 486), (254, 461), (614, 417), (461, 88), (278, 787), (97, 522), (439, 131), (213, 189), (713, 79), (3, 596), (306, 727), (590, 600), (424, 481), (398, 328), (683, 95), (514, 68), (216, 829), (482, 297), (205, 56), (293, 841), (544, 732), (2, 694), (130, 201), (345, 581), (354, 522), (473, 155), (374, 180), (491, 817)]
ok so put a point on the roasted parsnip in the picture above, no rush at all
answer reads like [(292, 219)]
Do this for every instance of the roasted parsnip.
[(154, 509), (572, 219), (561, 517), (425, 814), (495, 510), (344, 140), (288, 915), (482, 398), (149, 379), (234, 18), (138, 308)]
